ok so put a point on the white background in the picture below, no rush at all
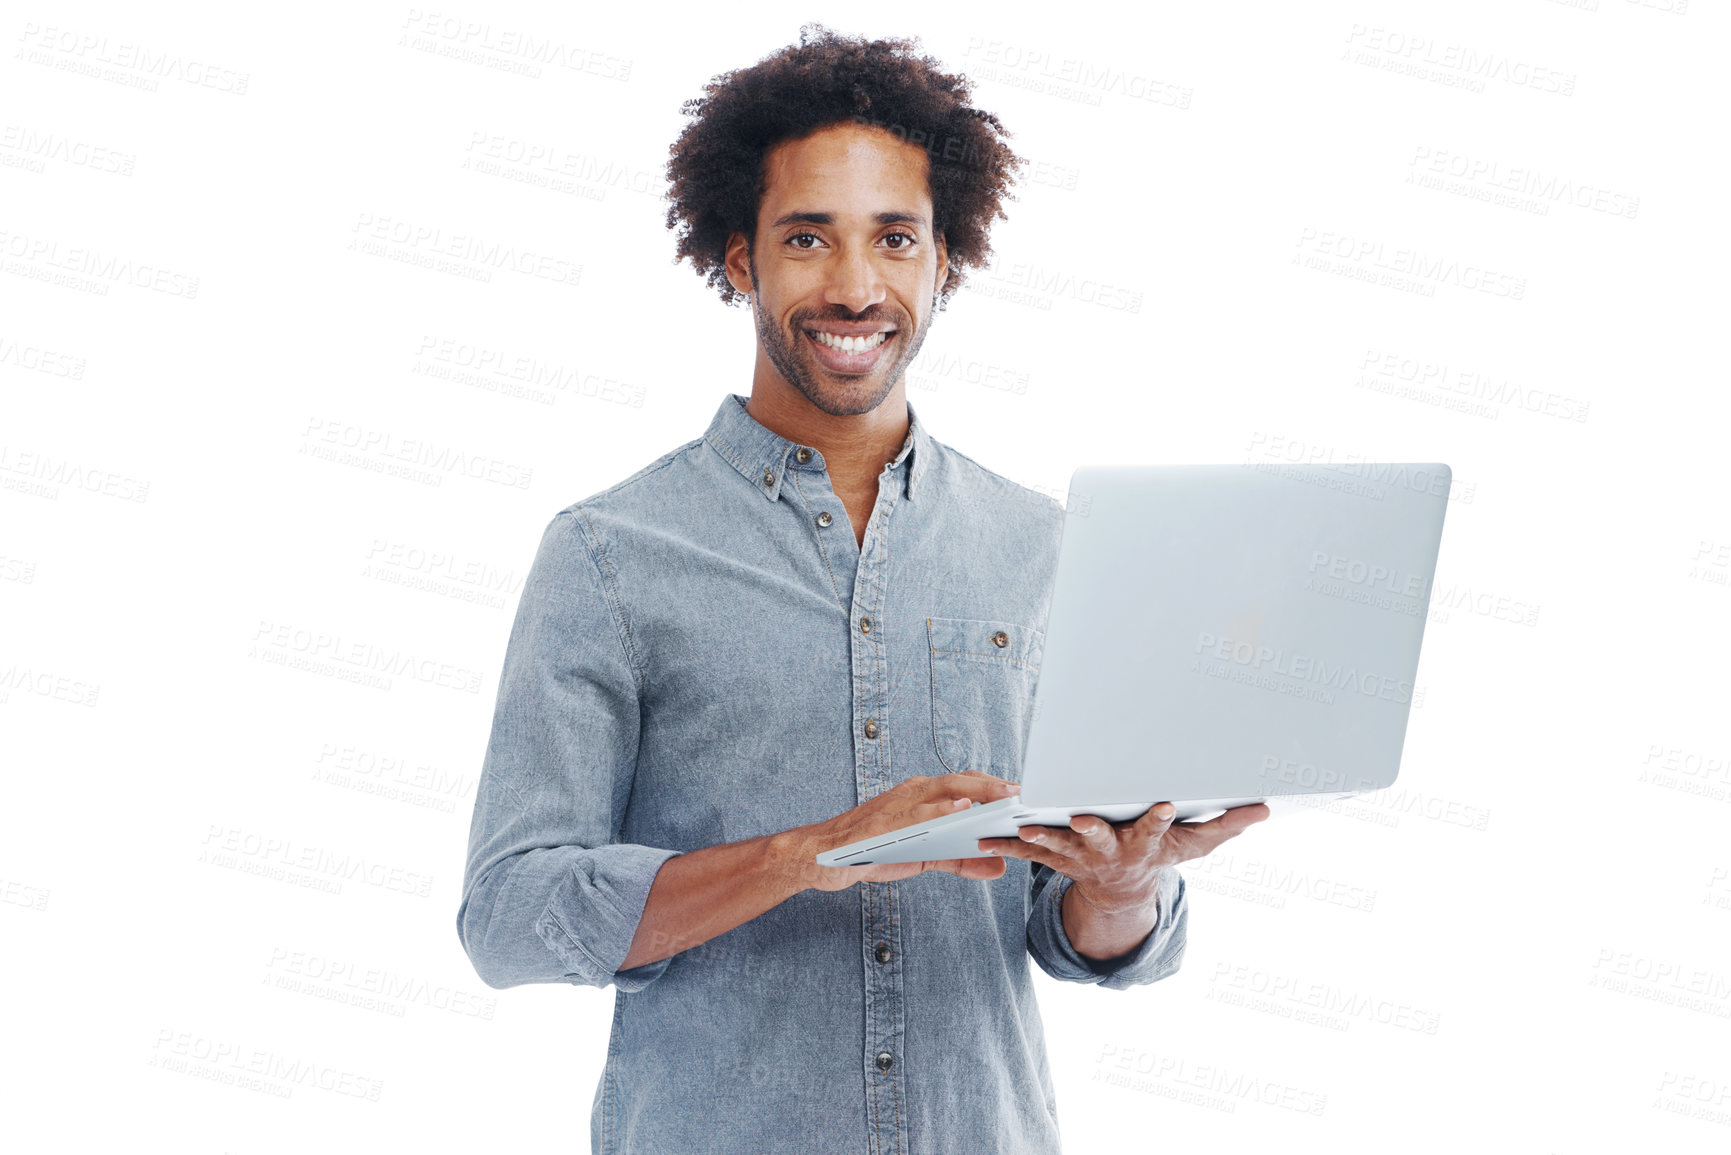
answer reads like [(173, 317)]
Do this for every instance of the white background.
[(1489, 234)]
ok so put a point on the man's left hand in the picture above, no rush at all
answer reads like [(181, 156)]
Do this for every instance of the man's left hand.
[(1119, 862)]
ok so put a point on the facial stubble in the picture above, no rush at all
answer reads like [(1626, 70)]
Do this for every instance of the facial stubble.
[(839, 397)]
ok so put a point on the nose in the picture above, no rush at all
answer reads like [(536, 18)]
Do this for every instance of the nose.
[(854, 281)]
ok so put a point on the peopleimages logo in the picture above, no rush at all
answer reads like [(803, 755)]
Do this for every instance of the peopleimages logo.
[(1371, 575), (1302, 667), (1309, 776)]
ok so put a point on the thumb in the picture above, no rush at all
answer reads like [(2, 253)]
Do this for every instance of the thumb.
[(977, 868)]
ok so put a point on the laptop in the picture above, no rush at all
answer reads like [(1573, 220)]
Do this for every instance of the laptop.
[(1219, 635)]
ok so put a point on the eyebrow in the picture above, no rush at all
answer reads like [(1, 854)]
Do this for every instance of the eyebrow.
[(889, 218)]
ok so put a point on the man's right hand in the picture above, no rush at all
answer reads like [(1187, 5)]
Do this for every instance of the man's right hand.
[(919, 799)]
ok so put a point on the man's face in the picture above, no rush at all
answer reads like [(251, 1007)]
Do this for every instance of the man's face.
[(845, 248)]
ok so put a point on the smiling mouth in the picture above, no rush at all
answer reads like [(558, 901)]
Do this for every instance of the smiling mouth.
[(861, 344), (849, 355)]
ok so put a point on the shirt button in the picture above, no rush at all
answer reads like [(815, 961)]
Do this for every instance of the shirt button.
[(804, 455), (824, 518), (884, 1060), (769, 477), (871, 728), (865, 625), (883, 952), (1000, 639)]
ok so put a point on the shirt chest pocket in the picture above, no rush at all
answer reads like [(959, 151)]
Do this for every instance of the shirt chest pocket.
[(983, 679)]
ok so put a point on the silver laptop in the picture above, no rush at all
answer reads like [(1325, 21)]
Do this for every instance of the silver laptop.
[(1220, 635)]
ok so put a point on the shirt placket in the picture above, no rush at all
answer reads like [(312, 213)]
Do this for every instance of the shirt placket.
[(885, 1004)]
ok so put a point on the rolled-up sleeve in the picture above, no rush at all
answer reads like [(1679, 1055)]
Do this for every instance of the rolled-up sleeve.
[(550, 893), (1158, 956)]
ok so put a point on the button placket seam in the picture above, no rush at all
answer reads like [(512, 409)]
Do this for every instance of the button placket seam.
[(889, 1004), (870, 899), (898, 1004), (872, 894), (898, 1037), (880, 690), (873, 1076), (834, 586)]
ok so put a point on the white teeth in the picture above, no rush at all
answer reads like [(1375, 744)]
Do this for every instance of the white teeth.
[(850, 344)]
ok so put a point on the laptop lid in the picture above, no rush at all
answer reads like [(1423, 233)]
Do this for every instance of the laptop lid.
[(1222, 631)]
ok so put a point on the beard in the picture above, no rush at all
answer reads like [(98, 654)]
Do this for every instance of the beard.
[(790, 352)]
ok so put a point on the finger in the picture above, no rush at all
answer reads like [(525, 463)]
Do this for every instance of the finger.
[(937, 808), (971, 784), (947, 790), (1097, 834), (1237, 819), (889, 872), (942, 806), (1154, 823), (977, 868), (1032, 851), (1202, 838), (1058, 840)]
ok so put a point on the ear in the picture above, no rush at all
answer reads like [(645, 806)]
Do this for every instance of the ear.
[(943, 265), (737, 263)]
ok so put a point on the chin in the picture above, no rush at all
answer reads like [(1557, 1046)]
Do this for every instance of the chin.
[(849, 399)]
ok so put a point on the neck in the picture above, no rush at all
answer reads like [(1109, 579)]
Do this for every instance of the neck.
[(855, 448)]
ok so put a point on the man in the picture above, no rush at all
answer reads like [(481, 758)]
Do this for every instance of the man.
[(705, 685)]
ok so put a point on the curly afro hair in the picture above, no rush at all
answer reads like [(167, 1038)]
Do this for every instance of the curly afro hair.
[(717, 166)]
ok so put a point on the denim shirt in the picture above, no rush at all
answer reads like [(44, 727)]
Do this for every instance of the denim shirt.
[(704, 653)]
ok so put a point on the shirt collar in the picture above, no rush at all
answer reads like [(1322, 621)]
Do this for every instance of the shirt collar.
[(763, 456)]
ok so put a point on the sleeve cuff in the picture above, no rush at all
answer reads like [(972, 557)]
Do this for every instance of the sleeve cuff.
[(1158, 955), (593, 914)]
